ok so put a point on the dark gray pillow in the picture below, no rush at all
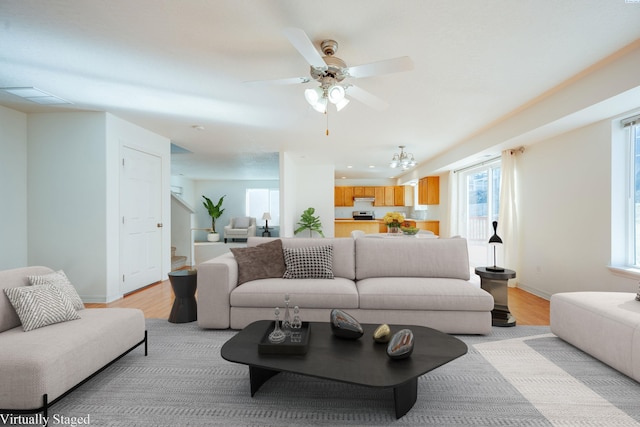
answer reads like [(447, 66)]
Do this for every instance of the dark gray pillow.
[(260, 262), (315, 262)]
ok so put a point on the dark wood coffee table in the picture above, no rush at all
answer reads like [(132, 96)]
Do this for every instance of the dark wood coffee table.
[(361, 362)]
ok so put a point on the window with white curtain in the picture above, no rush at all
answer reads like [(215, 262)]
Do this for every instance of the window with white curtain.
[(479, 203), (261, 200), (632, 126)]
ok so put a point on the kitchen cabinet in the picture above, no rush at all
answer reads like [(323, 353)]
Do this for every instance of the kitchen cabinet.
[(379, 195), (389, 196), (429, 190), (343, 196), (398, 195), (384, 196)]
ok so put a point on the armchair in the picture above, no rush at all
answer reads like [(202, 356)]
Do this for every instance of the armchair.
[(241, 227)]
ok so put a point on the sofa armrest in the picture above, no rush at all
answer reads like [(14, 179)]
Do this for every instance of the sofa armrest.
[(217, 277)]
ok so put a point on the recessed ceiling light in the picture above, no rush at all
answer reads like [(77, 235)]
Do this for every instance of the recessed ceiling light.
[(35, 95), (349, 166), (371, 166), (344, 177)]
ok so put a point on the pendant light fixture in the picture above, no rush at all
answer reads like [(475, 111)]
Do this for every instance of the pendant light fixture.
[(402, 160)]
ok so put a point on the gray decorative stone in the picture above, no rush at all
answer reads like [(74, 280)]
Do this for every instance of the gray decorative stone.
[(401, 344), (343, 325)]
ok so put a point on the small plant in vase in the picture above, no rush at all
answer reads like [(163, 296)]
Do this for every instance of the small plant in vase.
[(215, 211), (309, 222), (393, 221)]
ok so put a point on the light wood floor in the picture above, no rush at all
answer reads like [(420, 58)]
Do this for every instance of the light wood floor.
[(156, 301)]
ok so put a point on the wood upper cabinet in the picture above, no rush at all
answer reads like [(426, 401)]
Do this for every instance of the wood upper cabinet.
[(384, 196), (429, 190), (343, 196), (389, 196), (379, 195), (398, 195)]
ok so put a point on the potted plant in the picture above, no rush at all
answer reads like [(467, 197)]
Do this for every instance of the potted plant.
[(309, 222), (214, 212)]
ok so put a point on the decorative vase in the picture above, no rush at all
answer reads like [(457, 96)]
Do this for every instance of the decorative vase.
[(393, 229), (213, 237)]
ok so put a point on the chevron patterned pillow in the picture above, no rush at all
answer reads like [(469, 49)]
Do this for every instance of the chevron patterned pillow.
[(39, 306), (60, 280)]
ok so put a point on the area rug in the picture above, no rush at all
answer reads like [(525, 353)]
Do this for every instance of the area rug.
[(519, 376)]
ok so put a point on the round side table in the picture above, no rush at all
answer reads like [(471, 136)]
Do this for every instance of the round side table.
[(185, 307), (496, 283)]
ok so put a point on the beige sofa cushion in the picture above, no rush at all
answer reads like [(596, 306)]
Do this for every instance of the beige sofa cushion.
[(57, 357), (415, 293), (411, 257), (307, 293), (343, 251)]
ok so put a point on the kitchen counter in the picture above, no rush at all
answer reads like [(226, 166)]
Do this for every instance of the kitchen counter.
[(344, 226)]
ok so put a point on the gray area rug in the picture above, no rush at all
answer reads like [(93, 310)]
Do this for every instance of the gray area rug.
[(521, 376)]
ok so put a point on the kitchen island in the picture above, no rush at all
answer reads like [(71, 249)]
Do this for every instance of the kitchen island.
[(344, 226)]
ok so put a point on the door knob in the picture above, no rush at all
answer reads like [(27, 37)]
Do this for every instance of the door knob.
[(159, 225)]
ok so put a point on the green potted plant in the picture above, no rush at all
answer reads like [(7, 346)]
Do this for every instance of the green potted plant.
[(214, 212), (309, 222)]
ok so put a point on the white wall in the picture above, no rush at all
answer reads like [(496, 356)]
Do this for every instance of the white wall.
[(13, 189), (314, 188), (565, 217), (67, 197), (73, 196)]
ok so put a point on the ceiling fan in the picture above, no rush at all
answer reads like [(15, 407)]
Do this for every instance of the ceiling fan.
[(331, 72)]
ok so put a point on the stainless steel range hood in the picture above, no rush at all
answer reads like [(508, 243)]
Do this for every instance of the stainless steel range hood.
[(364, 199)]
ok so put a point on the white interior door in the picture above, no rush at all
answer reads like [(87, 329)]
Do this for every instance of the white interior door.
[(141, 222)]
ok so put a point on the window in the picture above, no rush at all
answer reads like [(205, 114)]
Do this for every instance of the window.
[(633, 194), (479, 202), (261, 200)]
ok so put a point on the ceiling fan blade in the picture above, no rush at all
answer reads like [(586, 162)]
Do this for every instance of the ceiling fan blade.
[(287, 81), (366, 98), (403, 63), (303, 44)]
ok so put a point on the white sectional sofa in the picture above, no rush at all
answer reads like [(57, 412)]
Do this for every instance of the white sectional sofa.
[(605, 325), (40, 366), (423, 282)]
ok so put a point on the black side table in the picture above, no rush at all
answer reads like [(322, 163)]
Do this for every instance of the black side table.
[(185, 307), (266, 233), (496, 283)]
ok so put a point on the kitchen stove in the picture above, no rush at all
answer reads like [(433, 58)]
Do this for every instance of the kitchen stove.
[(363, 215)]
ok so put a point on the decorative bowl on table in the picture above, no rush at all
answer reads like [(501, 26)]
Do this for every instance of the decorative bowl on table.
[(410, 231)]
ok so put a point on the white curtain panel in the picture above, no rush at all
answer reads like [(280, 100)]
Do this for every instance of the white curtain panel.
[(508, 213), (452, 206)]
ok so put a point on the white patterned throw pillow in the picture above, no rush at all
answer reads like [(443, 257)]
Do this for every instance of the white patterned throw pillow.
[(39, 306), (315, 262), (60, 280)]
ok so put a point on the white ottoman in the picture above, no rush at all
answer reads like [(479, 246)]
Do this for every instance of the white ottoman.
[(605, 325)]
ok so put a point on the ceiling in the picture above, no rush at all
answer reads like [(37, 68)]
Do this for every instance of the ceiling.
[(174, 66)]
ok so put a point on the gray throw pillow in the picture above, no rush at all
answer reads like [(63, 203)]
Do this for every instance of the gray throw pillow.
[(39, 306), (259, 262), (60, 280), (314, 262), (242, 222)]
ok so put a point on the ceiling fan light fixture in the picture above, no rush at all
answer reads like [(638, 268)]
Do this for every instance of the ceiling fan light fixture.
[(342, 103), (313, 95), (321, 105), (335, 93)]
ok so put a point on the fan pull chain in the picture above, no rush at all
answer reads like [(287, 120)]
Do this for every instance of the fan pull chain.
[(326, 113)]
